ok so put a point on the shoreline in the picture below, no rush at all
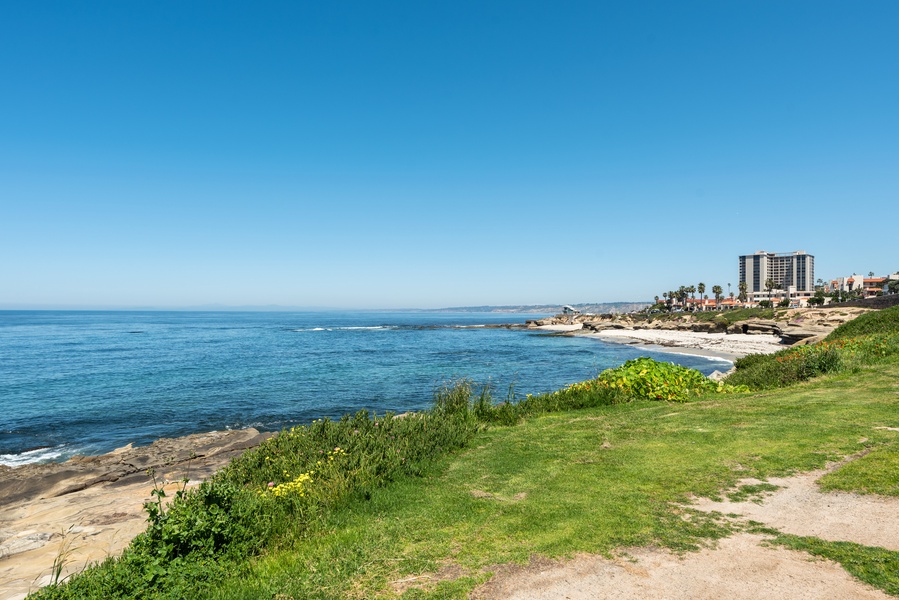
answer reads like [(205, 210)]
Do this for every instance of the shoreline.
[(726, 346), (95, 503), (723, 346)]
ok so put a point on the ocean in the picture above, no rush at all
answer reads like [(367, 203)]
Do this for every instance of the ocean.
[(87, 382)]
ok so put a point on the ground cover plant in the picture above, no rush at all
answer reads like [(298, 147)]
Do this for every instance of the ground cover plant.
[(381, 505), (862, 342)]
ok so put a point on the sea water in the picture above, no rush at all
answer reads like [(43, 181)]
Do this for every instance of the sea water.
[(85, 382)]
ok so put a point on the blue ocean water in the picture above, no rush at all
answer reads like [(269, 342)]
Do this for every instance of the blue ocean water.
[(84, 382)]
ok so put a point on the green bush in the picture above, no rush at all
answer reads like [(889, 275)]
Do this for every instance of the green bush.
[(801, 363), (647, 379)]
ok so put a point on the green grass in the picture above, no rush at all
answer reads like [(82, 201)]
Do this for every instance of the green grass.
[(884, 321), (752, 492), (875, 473), (729, 317), (592, 480)]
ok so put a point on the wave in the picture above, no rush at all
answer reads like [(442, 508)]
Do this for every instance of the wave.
[(39, 455), (402, 327), (353, 328)]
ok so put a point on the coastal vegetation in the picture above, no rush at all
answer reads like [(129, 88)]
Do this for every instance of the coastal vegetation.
[(867, 340), (425, 505)]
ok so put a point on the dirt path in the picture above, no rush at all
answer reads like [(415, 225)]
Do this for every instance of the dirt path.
[(741, 567)]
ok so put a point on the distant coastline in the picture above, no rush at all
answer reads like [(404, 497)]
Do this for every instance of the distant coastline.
[(598, 308)]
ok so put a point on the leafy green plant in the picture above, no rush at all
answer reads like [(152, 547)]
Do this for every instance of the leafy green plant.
[(645, 378)]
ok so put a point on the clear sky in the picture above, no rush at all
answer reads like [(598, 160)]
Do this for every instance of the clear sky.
[(431, 154)]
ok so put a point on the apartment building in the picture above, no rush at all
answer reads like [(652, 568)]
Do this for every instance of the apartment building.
[(793, 274)]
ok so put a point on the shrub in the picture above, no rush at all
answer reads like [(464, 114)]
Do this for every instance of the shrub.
[(645, 378), (801, 363)]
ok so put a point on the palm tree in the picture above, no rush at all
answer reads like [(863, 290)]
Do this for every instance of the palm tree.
[(692, 291), (717, 290), (769, 285), (728, 291), (701, 289), (742, 287), (682, 296)]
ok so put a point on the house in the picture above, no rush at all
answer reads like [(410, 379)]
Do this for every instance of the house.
[(872, 286)]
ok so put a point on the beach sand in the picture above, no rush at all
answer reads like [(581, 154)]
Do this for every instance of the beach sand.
[(728, 346)]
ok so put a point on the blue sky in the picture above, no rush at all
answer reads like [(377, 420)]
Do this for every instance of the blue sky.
[(431, 154)]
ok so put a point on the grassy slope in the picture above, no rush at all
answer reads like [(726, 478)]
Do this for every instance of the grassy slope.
[(583, 481)]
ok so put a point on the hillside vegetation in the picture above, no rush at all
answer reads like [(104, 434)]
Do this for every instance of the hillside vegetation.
[(867, 340), (356, 507)]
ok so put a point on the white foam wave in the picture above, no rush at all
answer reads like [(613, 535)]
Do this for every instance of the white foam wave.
[(353, 328), (41, 455)]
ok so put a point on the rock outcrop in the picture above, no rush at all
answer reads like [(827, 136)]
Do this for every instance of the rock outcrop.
[(93, 505)]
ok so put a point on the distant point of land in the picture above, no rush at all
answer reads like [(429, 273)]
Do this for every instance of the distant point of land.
[(599, 308)]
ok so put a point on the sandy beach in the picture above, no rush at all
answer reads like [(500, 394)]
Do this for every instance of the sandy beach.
[(727, 346)]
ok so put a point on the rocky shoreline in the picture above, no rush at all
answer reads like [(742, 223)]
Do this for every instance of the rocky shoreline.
[(94, 504), (792, 326)]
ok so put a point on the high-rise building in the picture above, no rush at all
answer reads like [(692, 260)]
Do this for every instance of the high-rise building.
[(793, 273)]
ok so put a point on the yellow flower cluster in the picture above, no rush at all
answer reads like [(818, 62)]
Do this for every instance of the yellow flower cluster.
[(296, 486)]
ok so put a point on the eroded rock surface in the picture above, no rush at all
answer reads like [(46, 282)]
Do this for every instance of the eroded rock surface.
[(93, 505)]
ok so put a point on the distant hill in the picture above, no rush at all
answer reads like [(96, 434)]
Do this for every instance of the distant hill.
[(599, 308)]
